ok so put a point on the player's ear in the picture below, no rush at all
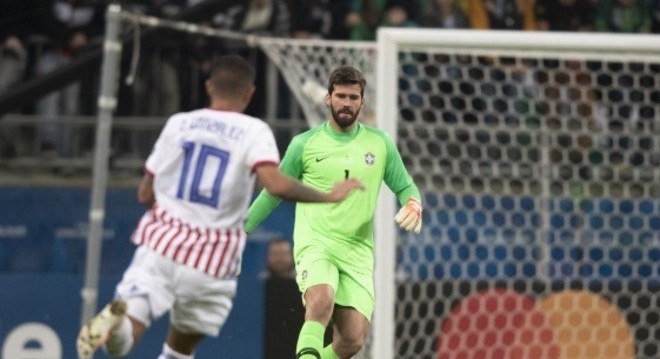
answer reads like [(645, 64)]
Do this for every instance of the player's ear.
[(209, 88), (249, 93), (327, 99)]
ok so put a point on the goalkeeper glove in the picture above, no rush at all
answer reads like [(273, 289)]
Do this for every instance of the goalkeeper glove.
[(410, 216)]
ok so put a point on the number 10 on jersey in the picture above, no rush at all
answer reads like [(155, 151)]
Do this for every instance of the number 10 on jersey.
[(204, 186)]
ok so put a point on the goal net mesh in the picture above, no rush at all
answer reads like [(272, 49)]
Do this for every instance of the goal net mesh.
[(306, 66), (540, 176)]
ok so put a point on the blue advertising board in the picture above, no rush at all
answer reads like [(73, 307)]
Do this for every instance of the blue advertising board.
[(42, 257)]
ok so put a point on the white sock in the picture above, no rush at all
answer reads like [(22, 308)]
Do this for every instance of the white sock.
[(169, 353), (121, 339)]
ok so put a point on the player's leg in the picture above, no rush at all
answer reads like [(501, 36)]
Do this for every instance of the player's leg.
[(354, 304), (102, 327), (180, 345), (141, 297), (319, 303), (202, 306), (317, 279), (113, 329), (350, 330)]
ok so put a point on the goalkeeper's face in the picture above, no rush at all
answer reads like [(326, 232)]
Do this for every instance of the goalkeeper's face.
[(345, 103)]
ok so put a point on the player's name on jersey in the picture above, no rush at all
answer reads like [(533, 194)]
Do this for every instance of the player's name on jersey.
[(213, 125)]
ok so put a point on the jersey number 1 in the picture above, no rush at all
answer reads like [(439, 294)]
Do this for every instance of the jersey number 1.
[(195, 193)]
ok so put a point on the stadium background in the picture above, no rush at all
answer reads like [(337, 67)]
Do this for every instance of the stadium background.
[(42, 250), (45, 194)]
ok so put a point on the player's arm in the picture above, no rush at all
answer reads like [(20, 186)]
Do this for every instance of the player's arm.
[(266, 202), (278, 185), (399, 181), (283, 186), (154, 163), (146, 190), (282, 183)]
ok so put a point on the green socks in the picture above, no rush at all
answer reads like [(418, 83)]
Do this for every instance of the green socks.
[(328, 353), (310, 341)]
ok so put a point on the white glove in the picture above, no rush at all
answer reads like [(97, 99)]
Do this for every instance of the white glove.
[(410, 216)]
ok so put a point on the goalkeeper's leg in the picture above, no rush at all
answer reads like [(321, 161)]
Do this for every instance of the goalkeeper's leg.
[(319, 300), (350, 330)]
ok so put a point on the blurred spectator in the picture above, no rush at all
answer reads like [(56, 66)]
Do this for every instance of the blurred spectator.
[(501, 14), (260, 17), (398, 15), (284, 312), (280, 259), (63, 17), (16, 24), (71, 25), (628, 16), (564, 15), (156, 90), (157, 87), (446, 14), (13, 59), (64, 102), (263, 17), (364, 17), (318, 18)]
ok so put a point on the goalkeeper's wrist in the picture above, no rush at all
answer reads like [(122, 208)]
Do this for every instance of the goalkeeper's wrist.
[(416, 201)]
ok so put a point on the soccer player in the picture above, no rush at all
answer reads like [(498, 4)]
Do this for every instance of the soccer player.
[(199, 180), (333, 243)]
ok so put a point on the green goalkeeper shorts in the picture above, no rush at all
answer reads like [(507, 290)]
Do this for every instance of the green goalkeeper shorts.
[(353, 285)]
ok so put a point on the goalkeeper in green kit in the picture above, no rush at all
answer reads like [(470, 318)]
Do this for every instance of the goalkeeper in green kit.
[(333, 242)]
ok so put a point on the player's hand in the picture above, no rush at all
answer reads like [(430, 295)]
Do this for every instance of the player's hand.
[(341, 190), (410, 216)]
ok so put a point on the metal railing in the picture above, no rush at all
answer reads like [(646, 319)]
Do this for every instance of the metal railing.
[(24, 155)]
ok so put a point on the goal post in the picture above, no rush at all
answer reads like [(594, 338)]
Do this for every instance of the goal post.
[(106, 103), (537, 158)]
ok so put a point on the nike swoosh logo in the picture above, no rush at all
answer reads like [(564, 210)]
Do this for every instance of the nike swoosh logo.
[(319, 159)]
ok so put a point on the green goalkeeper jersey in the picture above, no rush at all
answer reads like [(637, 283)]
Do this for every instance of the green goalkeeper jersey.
[(320, 158)]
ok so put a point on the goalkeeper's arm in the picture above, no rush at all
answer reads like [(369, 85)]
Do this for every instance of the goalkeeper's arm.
[(399, 181), (278, 186), (409, 216)]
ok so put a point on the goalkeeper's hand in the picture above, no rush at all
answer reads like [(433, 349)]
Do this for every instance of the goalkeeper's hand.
[(410, 216)]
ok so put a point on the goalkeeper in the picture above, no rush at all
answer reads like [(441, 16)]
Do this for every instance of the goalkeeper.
[(333, 243)]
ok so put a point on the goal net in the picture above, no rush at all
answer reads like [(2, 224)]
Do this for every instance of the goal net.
[(538, 157), (306, 66)]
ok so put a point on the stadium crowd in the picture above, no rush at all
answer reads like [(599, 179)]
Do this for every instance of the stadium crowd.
[(37, 37)]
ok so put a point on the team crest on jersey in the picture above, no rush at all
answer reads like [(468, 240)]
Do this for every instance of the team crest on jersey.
[(369, 158)]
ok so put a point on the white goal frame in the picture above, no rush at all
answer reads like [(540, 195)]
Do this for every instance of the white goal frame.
[(390, 41)]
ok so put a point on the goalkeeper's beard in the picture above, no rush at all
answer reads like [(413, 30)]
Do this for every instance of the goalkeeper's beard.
[(344, 122)]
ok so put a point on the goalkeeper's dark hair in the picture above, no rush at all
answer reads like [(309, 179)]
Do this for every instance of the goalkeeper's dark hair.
[(346, 75), (231, 76)]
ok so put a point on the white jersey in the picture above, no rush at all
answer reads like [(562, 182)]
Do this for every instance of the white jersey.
[(202, 165)]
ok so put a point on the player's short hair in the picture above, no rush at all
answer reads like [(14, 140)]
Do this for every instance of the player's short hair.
[(346, 75), (231, 75), (277, 240)]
